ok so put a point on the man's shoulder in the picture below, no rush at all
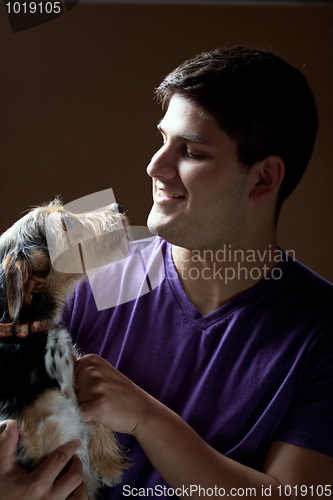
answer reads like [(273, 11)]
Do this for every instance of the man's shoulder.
[(304, 276), (308, 292)]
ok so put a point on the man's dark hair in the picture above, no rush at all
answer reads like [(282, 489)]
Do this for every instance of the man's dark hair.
[(258, 99)]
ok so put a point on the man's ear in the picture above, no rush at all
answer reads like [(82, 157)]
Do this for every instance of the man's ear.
[(20, 284), (268, 176)]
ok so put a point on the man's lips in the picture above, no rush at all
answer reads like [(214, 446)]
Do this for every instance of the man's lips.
[(164, 194)]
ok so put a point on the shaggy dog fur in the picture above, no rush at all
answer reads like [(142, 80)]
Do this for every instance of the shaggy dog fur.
[(42, 257)]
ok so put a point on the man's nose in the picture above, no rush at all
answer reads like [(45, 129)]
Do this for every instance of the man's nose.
[(162, 164)]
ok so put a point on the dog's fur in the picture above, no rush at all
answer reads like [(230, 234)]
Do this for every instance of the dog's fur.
[(36, 370)]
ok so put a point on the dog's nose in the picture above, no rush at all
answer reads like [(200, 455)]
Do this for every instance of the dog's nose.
[(119, 208)]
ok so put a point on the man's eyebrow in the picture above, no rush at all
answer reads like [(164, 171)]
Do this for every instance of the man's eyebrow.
[(186, 137)]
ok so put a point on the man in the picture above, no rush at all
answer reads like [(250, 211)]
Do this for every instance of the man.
[(228, 358)]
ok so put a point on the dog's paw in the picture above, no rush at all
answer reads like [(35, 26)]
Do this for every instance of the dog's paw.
[(106, 459)]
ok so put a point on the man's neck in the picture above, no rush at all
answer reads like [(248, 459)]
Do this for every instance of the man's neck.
[(213, 278)]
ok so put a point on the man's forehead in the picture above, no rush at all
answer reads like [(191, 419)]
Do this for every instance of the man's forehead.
[(186, 136), (185, 120)]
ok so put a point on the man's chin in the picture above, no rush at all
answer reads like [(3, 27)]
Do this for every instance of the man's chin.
[(161, 225), (157, 223), (158, 228), (151, 223)]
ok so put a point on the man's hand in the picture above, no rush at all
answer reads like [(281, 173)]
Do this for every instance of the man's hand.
[(107, 396), (41, 483)]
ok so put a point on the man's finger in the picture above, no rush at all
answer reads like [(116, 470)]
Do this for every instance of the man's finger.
[(51, 467), (8, 442), (70, 483)]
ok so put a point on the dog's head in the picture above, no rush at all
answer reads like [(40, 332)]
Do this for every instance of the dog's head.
[(45, 253)]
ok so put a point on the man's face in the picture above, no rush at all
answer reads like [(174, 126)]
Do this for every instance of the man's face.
[(200, 191)]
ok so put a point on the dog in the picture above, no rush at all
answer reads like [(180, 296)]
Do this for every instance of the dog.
[(42, 258)]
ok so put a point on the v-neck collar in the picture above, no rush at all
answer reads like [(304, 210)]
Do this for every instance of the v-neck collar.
[(266, 286)]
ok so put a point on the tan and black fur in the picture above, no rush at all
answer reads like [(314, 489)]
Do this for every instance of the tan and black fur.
[(36, 370)]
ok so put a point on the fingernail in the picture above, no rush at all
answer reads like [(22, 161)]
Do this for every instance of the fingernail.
[(2, 427)]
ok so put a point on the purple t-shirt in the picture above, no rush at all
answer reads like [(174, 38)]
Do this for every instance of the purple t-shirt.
[(258, 369)]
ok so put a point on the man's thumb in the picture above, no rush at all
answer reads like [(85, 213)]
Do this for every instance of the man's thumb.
[(9, 435)]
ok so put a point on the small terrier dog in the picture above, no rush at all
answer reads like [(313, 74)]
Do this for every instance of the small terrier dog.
[(39, 267)]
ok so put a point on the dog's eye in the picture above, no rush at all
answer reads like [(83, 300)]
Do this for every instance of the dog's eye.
[(119, 208)]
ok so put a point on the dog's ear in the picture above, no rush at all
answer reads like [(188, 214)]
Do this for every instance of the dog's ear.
[(21, 284), (13, 286)]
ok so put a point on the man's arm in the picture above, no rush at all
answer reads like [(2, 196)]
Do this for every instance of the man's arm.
[(180, 455), (42, 483), (183, 458), (302, 472)]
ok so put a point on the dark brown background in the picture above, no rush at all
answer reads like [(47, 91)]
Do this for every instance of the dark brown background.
[(78, 114)]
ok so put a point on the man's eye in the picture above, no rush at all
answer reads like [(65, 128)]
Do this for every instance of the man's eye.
[(194, 156)]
